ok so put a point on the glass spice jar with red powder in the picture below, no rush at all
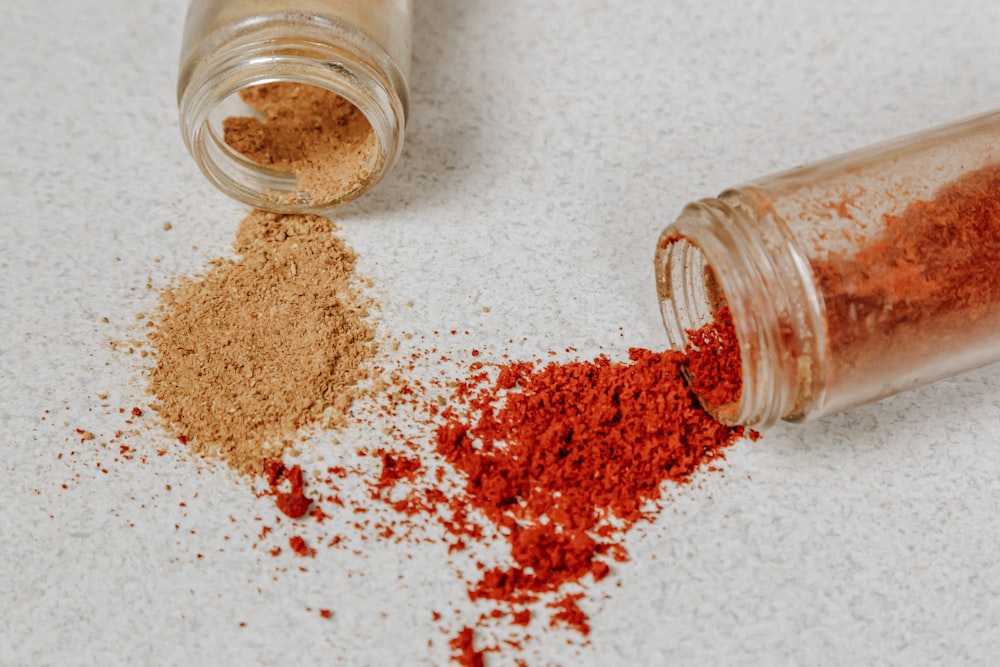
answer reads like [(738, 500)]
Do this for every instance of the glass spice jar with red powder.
[(844, 281)]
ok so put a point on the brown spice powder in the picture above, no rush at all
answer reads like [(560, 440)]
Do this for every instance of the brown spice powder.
[(317, 135), (263, 345)]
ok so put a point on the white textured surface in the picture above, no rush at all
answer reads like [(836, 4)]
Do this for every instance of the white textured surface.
[(548, 144)]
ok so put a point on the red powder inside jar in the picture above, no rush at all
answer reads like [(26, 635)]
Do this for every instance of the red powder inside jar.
[(926, 286), (299, 546), (714, 363)]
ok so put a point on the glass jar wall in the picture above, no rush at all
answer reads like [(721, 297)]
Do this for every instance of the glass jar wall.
[(850, 279)]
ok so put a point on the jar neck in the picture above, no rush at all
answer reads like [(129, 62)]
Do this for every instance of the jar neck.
[(731, 249), (296, 48)]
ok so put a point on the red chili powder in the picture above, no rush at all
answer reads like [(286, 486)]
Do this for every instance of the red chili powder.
[(293, 502), (563, 458), (575, 448), (927, 285), (714, 363), (568, 613), (463, 651), (299, 546)]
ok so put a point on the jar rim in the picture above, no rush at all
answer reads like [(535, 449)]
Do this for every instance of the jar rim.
[(289, 48), (775, 312)]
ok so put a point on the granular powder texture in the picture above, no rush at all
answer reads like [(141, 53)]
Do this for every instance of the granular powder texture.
[(318, 136), (574, 453), (263, 345), (714, 363), (560, 460)]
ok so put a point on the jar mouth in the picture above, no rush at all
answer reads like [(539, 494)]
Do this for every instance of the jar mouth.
[(687, 288), (719, 254), (261, 57), (690, 298)]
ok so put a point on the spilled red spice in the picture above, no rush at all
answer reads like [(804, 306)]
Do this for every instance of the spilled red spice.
[(562, 459), (572, 458), (463, 651), (569, 613), (299, 546), (294, 503), (396, 467), (521, 617)]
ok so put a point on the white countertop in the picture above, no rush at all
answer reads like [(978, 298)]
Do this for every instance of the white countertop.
[(548, 145)]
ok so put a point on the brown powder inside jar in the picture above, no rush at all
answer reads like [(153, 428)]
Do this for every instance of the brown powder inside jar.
[(263, 345), (317, 135)]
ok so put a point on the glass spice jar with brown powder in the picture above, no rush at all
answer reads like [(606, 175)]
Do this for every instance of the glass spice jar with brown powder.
[(295, 106), (845, 281)]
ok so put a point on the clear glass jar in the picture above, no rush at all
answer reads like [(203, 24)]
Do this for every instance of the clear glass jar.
[(848, 280), (357, 49)]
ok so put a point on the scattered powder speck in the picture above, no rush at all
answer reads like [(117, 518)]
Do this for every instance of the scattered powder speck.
[(464, 653)]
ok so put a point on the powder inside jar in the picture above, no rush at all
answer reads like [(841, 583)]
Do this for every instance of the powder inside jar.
[(263, 345), (323, 140)]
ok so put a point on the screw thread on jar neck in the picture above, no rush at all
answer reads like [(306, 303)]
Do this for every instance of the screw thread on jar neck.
[(296, 48), (727, 251)]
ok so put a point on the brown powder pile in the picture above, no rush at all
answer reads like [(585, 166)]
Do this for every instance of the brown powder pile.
[(263, 345), (320, 137)]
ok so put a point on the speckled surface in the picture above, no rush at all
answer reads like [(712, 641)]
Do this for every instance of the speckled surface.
[(548, 144)]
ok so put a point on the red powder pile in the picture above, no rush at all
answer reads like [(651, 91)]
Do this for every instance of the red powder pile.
[(562, 459), (574, 445), (552, 462)]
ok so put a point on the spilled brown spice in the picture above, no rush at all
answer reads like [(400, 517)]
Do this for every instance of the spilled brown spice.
[(263, 345)]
